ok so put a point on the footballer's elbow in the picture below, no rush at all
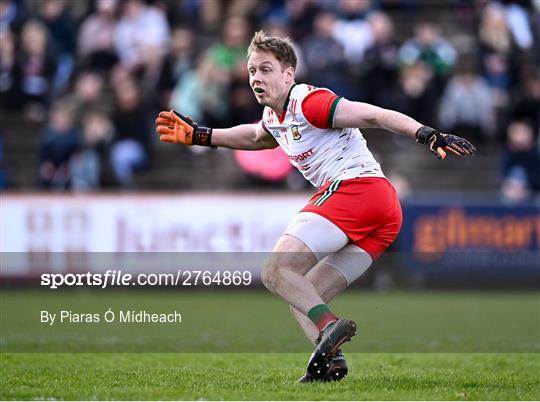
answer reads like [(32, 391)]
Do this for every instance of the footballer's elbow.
[(267, 143), (272, 145), (375, 118), (263, 140)]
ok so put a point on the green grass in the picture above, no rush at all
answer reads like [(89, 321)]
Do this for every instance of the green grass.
[(415, 346), (256, 321), (250, 376)]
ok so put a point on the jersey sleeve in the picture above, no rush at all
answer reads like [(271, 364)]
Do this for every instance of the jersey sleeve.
[(319, 107), (261, 122)]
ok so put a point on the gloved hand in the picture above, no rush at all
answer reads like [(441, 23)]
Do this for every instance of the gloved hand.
[(174, 127), (439, 143)]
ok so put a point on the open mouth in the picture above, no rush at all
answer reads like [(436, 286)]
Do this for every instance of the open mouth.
[(258, 90)]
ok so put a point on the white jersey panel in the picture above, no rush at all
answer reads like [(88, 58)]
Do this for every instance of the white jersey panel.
[(320, 154)]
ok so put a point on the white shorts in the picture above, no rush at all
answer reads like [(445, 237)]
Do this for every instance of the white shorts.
[(329, 243)]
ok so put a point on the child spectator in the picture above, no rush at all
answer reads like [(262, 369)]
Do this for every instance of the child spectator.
[(86, 165), (60, 142), (521, 154)]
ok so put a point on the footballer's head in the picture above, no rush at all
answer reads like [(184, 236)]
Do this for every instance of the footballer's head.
[(271, 65)]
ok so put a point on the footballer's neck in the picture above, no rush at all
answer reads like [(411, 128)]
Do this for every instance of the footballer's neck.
[(283, 101)]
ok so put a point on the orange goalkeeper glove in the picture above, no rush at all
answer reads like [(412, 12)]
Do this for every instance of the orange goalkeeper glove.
[(177, 128), (439, 143)]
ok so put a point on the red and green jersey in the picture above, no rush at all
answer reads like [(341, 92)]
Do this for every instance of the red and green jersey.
[(319, 151)]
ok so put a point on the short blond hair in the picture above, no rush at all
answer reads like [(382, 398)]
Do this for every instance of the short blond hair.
[(281, 48)]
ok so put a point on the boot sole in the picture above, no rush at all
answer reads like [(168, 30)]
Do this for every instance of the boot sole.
[(317, 365)]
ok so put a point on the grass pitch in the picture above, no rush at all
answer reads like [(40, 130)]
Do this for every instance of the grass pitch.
[(450, 328), (255, 376)]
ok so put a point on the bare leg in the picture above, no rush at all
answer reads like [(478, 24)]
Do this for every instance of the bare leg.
[(284, 274), (328, 282)]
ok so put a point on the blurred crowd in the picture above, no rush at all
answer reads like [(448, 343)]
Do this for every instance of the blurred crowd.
[(95, 72)]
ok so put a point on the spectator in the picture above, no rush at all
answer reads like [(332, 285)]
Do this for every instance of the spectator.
[(521, 153), (182, 52), (36, 61), (202, 94), (148, 72), (401, 184), (353, 31), (324, 56), (467, 106), (527, 104), (130, 151), (209, 13), (494, 34), (11, 15), (355, 36), (515, 187), (518, 23), (232, 48), (59, 143), (247, 9), (86, 165), (10, 75), (300, 14), (497, 52), (177, 63), (380, 61), (355, 10), (212, 87), (89, 93), (58, 20), (415, 95), (96, 36), (139, 26), (429, 46)]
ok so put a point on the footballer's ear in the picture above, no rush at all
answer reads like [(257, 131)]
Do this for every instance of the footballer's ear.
[(289, 72)]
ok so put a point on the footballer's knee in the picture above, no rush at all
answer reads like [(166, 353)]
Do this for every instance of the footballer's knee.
[(272, 277), (268, 277), (271, 273)]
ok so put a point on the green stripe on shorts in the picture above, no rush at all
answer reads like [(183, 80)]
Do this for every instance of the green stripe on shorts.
[(332, 188)]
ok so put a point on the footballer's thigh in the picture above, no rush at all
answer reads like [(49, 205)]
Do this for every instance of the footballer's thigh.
[(318, 233), (307, 240)]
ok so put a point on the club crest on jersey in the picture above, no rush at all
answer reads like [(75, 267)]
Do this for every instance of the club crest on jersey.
[(276, 134), (295, 133)]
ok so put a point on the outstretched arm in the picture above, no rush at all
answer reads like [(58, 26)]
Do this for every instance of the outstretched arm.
[(174, 127), (245, 136), (364, 115)]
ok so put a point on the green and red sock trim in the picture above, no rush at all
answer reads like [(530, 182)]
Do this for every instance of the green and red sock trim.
[(321, 316)]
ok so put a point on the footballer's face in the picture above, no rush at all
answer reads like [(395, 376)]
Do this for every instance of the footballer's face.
[(268, 79)]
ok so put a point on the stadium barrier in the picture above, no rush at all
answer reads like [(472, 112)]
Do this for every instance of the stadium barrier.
[(441, 242)]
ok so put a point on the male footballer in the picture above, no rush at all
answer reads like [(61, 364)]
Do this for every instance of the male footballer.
[(355, 214)]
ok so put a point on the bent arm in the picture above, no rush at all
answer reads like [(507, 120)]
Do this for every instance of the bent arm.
[(363, 115), (245, 136)]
